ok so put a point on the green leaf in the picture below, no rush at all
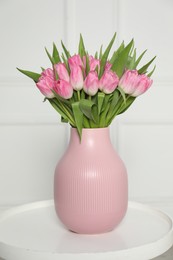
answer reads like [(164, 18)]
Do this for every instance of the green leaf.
[(78, 115), (105, 102), (116, 109), (64, 110), (89, 109), (86, 123), (42, 69), (82, 94), (63, 100), (150, 74), (132, 48), (100, 99), (63, 120), (97, 69), (50, 57), (103, 116), (120, 63), (113, 105), (87, 64), (94, 123), (145, 67), (100, 53), (122, 94), (105, 56), (93, 99), (56, 105), (30, 74), (131, 61), (66, 63), (114, 101), (55, 54), (96, 55), (75, 95), (81, 49), (117, 53), (67, 53), (139, 59), (124, 107)]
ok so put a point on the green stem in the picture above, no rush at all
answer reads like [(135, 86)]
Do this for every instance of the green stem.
[(117, 110), (78, 94), (67, 112), (122, 105), (69, 115)]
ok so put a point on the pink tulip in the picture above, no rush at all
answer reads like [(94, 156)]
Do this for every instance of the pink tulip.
[(108, 82), (108, 66), (91, 83), (45, 85), (76, 78), (63, 88), (94, 63), (133, 83), (142, 86), (75, 60), (62, 71), (129, 81), (48, 73)]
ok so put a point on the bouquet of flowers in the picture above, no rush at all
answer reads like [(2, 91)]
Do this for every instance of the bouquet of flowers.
[(90, 91)]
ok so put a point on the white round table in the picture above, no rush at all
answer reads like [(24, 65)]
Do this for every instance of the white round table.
[(33, 232)]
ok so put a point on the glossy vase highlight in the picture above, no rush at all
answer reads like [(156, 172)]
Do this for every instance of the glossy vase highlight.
[(90, 185)]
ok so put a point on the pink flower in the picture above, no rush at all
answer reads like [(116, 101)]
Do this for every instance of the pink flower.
[(129, 81), (62, 71), (91, 83), (76, 78), (48, 73), (108, 66), (108, 82), (63, 89), (45, 85), (75, 60), (144, 83), (133, 83), (94, 63)]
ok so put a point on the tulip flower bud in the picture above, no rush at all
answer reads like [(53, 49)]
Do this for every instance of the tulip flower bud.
[(76, 78), (48, 73), (91, 83), (129, 81), (108, 82), (94, 63), (134, 84), (108, 66), (62, 71), (45, 85), (63, 89), (144, 83), (75, 60)]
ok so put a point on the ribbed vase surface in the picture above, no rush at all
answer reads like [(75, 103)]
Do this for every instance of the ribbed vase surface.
[(90, 185)]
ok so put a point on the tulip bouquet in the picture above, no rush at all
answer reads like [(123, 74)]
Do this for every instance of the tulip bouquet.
[(90, 91)]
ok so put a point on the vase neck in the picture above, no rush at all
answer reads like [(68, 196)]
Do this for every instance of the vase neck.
[(90, 137)]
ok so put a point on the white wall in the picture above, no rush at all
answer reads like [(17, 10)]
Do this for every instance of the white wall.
[(31, 135)]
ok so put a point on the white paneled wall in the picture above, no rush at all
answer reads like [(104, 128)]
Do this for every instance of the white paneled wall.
[(32, 138)]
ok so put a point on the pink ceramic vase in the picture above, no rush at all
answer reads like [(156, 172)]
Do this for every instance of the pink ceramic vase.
[(90, 185)]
